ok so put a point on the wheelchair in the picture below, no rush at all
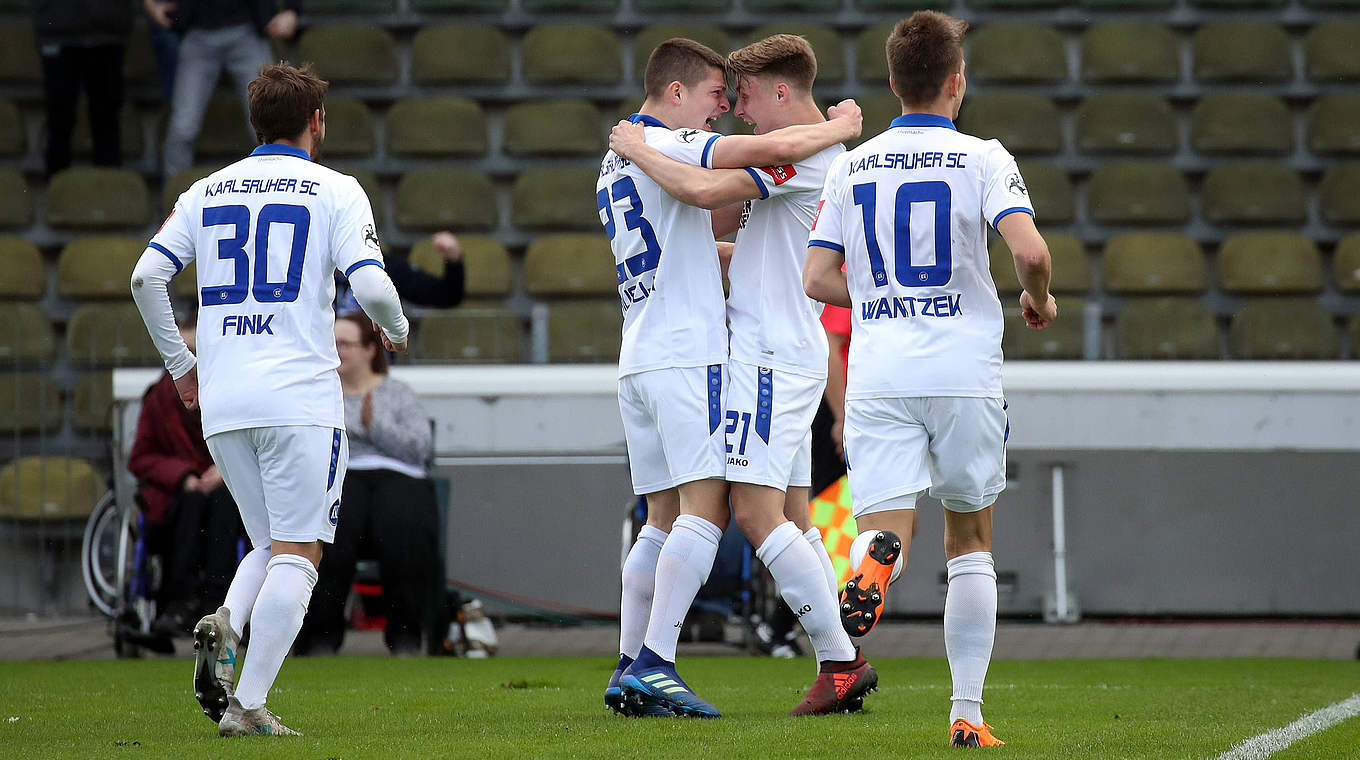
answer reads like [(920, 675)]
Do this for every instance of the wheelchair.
[(122, 575)]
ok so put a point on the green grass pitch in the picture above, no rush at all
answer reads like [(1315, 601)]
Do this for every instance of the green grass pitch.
[(553, 708)]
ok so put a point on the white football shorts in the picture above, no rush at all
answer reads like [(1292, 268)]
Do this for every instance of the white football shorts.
[(769, 425), (673, 423), (897, 448), (286, 479)]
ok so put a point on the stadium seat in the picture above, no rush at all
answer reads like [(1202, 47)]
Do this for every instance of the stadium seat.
[(554, 128), (105, 334), (29, 403), (432, 126), (182, 180), (37, 488), (98, 267), (369, 182), (352, 54), (1017, 53), (19, 54), (469, 334), (350, 6), (1269, 262), (1071, 270), (647, 40), (1153, 262), (1165, 328), (1245, 51), (1241, 123), (1064, 339), (1138, 193), (486, 264), (432, 199), (349, 128), (1339, 194), (185, 284), (570, 264), (1126, 122), (25, 334), (1334, 124), (556, 198), (130, 137), (1128, 52), (96, 197), (92, 402), (1346, 264), (1025, 124), (460, 54), (25, 275), (879, 111), (871, 58), (571, 54), (13, 138), (1283, 328), (226, 133), (826, 45), (585, 331), (1253, 193), (1051, 193), (1331, 53), (16, 203)]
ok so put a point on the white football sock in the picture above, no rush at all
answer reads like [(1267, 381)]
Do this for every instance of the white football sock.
[(278, 616), (802, 583), (639, 581), (245, 586), (681, 569), (969, 630), (814, 537)]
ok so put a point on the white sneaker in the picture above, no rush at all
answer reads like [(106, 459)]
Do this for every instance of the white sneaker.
[(215, 645), (238, 721)]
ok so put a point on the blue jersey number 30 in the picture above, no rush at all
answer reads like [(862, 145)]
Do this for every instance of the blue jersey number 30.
[(234, 249)]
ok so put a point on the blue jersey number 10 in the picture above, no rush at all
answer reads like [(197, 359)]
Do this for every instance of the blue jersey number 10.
[(234, 249), (907, 275)]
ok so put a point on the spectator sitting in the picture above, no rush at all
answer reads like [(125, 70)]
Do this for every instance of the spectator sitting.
[(387, 506), (419, 287)]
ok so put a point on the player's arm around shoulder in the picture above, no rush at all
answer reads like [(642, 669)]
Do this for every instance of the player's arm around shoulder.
[(687, 183), (1034, 267), (790, 144)]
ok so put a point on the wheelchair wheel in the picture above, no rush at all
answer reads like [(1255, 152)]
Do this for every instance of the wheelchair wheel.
[(99, 554)]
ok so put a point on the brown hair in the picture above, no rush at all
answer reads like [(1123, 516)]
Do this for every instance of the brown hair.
[(368, 337), (283, 99), (924, 51), (679, 60), (784, 56)]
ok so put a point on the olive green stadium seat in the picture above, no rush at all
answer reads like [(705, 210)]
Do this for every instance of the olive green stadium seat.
[(561, 198), (95, 198), (29, 403), (579, 6), (871, 59), (1071, 269), (372, 188), (22, 263), (350, 54), (433, 199), (1126, 122), (1050, 191), (185, 284), (1241, 123), (92, 402), (469, 334), (130, 137), (1269, 262), (1025, 124), (1253, 193), (183, 180), (109, 334), (19, 54), (826, 45), (647, 40), (878, 110), (16, 203), (585, 331), (13, 138), (1247, 51), (554, 128), (463, 6), (320, 7), (1339, 194), (1153, 262), (1331, 52), (1138, 193), (429, 126), (98, 267), (1346, 264), (1129, 52), (486, 264), (1334, 124), (1283, 328), (1016, 53), (465, 54), (1062, 340), (36, 488), (226, 133), (570, 264), (349, 128), (571, 54), (1165, 328), (25, 334)]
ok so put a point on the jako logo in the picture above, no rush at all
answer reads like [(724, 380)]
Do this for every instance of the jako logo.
[(801, 611)]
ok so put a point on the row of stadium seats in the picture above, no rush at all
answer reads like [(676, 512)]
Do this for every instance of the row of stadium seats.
[(42, 488), (32, 402)]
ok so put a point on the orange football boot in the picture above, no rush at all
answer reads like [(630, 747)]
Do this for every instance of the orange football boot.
[(863, 597), (965, 734)]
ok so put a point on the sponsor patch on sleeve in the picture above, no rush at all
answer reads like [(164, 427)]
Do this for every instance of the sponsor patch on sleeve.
[(780, 174)]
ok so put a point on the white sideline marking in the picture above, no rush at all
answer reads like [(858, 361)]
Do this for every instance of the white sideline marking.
[(1267, 744)]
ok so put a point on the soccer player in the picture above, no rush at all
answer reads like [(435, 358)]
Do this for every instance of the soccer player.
[(268, 232), (907, 214), (778, 364), (671, 381)]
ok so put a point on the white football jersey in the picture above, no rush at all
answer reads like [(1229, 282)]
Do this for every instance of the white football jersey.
[(268, 233), (670, 281), (772, 323), (909, 209)]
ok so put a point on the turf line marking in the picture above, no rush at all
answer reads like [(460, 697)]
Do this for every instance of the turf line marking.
[(1266, 744)]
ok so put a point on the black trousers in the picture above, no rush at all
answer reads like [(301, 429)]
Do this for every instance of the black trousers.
[(99, 70), (827, 465), (392, 518), (202, 554)]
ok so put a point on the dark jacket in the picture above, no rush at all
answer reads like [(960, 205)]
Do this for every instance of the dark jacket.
[(169, 447), (82, 22), (186, 11)]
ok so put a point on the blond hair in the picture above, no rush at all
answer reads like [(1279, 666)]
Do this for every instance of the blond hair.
[(786, 57)]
